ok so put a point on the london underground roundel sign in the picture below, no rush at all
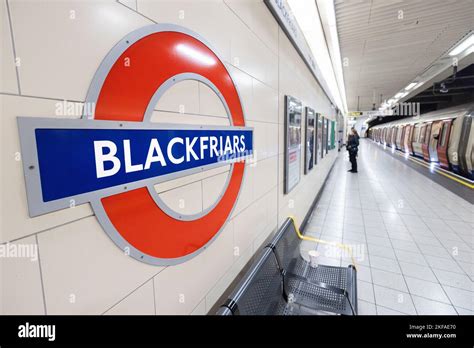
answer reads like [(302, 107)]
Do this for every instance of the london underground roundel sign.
[(114, 155)]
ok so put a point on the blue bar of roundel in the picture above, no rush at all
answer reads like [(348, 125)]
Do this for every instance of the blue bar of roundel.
[(67, 160)]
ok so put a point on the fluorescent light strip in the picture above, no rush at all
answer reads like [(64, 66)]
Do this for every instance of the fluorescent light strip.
[(410, 86), (462, 46), (400, 95), (307, 16)]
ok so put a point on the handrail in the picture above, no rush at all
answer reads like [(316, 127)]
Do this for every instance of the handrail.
[(316, 240)]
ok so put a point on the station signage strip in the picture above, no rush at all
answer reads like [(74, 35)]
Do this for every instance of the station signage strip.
[(72, 159)]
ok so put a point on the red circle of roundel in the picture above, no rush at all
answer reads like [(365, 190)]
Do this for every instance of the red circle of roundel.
[(124, 96)]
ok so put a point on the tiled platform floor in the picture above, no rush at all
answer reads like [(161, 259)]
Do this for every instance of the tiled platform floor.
[(413, 240)]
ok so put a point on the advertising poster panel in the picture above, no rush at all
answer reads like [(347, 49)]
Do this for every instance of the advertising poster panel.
[(309, 140), (319, 137), (326, 135), (293, 113)]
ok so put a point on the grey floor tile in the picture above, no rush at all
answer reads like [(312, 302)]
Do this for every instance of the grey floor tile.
[(361, 257), (434, 251), (416, 271), (389, 280), (400, 235), (443, 264), (460, 298), (455, 280), (429, 307), (365, 291), (386, 311), (408, 256), (377, 240), (354, 228), (464, 311), (468, 268), (354, 222), (464, 256), (366, 308), (394, 299), (426, 240), (384, 264), (423, 288), (382, 251), (364, 273), (404, 245), (375, 231)]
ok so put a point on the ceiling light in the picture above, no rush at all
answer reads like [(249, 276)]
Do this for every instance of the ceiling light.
[(467, 43), (418, 85), (410, 86), (400, 95)]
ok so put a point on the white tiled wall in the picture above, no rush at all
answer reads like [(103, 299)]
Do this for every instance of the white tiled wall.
[(59, 45)]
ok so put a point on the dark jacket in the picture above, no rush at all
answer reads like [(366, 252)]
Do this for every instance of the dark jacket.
[(352, 143)]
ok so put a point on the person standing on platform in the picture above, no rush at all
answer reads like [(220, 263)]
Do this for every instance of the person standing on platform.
[(353, 148)]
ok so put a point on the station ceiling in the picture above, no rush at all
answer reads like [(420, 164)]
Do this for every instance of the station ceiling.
[(385, 44)]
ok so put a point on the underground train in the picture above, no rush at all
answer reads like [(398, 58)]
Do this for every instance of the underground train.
[(444, 137)]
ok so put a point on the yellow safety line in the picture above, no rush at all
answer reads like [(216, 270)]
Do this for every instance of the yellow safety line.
[(316, 240), (437, 170)]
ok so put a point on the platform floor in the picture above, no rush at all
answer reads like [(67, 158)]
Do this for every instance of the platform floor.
[(413, 240)]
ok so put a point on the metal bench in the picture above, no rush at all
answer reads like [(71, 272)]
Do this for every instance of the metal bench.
[(281, 282)]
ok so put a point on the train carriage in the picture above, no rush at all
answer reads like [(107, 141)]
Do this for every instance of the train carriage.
[(444, 137)]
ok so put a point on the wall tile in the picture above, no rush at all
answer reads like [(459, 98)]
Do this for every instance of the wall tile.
[(173, 117), (183, 97), (210, 103), (190, 14), (84, 272), (180, 288), (212, 189), (264, 103), (8, 83), (21, 291), (53, 63), (200, 309), (243, 83), (139, 302), (258, 18), (129, 3), (185, 200), (215, 293)]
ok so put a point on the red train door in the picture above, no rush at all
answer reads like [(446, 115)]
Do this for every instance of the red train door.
[(425, 144), (443, 141)]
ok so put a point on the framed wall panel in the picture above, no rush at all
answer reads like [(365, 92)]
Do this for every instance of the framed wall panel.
[(333, 135), (326, 135), (310, 136), (293, 113), (319, 137)]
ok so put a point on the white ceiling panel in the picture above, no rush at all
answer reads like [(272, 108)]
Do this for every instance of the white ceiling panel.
[(389, 42)]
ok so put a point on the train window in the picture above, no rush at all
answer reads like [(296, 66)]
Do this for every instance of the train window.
[(416, 136), (399, 134), (427, 134), (444, 134), (422, 134)]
